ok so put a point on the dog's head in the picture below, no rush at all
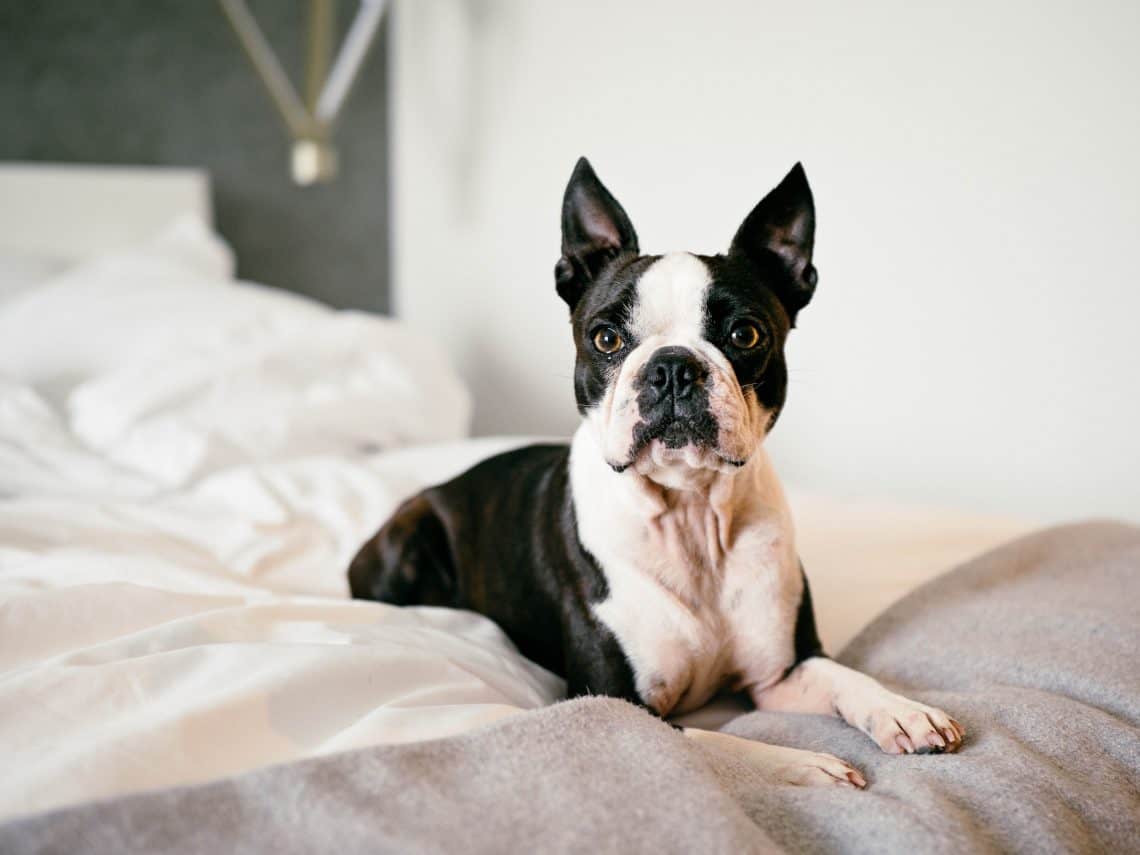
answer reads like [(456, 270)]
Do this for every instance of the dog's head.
[(680, 361)]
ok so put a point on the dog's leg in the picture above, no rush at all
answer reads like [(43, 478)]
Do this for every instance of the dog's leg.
[(896, 724), (408, 561), (782, 765), (596, 665)]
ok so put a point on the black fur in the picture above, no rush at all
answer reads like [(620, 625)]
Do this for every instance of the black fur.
[(501, 540), (595, 229), (807, 643), (763, 369), (608, 302), (779, 235)]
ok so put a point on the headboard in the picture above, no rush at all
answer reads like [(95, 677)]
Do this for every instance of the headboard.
[(71, 212), (165, 82)]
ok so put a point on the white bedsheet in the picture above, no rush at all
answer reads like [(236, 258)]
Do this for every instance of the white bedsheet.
[(175, 638), (177, 511)]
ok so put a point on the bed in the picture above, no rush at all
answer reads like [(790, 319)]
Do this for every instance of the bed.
[(187, 462)]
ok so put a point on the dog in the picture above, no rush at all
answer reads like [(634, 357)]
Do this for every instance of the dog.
[(653, 558)]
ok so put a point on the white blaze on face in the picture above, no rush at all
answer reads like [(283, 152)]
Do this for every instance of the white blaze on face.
[(669, 310), (670, 303)]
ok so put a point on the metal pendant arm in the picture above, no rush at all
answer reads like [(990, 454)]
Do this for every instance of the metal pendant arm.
[(352, 54), (264, 60)]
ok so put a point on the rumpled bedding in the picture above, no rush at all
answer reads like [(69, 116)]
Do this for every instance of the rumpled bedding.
[(1032, 647), (187, 464), (147, 369), (181, 635)]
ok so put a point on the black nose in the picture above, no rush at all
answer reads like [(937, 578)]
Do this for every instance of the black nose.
[(673, 372)]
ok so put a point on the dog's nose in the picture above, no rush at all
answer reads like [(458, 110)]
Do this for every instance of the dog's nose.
[(673, 372)]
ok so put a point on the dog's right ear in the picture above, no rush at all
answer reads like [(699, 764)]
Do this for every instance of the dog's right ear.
[(595, 228)]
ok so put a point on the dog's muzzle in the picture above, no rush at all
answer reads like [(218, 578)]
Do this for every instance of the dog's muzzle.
[(673, 401)]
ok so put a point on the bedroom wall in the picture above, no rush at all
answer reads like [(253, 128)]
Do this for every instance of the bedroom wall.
[(973, 340), (166, 82)]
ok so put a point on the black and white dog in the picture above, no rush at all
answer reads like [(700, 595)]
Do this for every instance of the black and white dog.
[(654, 558)]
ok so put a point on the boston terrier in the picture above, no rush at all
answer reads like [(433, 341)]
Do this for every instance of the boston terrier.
[(653, 558)]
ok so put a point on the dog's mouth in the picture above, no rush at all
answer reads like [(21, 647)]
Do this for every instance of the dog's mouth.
[(677, 442), (674, 434)]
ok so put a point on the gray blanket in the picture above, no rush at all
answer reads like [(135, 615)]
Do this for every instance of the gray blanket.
[(1035, 647)]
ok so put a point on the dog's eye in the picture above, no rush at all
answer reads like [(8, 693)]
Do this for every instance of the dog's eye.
[(608, 340), (745, 336)]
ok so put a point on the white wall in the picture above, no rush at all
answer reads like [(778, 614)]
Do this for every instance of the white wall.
[(975, 339)]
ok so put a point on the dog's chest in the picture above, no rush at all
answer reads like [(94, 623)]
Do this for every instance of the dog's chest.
[(694, 615)]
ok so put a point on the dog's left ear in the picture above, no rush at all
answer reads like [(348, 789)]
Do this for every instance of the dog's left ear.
[(783, 226), (595, 228)]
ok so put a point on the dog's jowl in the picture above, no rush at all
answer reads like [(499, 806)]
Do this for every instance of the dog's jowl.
[(653, 558)]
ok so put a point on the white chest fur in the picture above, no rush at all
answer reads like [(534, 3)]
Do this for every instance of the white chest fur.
[(704, 584)]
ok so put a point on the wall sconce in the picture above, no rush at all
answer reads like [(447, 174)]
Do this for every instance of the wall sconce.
[(310, 120)]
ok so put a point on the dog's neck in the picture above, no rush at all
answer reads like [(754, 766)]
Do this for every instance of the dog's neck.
[(691, 513)]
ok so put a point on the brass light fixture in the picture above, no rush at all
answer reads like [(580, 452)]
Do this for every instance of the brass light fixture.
[(310, 120)]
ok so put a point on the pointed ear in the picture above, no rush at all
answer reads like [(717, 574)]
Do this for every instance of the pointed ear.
[(595, 228), (783, 226)]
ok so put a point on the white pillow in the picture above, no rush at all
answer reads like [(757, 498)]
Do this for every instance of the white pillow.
[(88, 319), (268, 377), (166, 366), (22, 272)]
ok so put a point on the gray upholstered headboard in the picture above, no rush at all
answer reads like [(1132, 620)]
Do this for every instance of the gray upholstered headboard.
[(166, 82)]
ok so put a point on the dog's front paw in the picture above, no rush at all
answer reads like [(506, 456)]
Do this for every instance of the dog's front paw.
[(902, 726), (802, 768), (782, 765), (811, 769)]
